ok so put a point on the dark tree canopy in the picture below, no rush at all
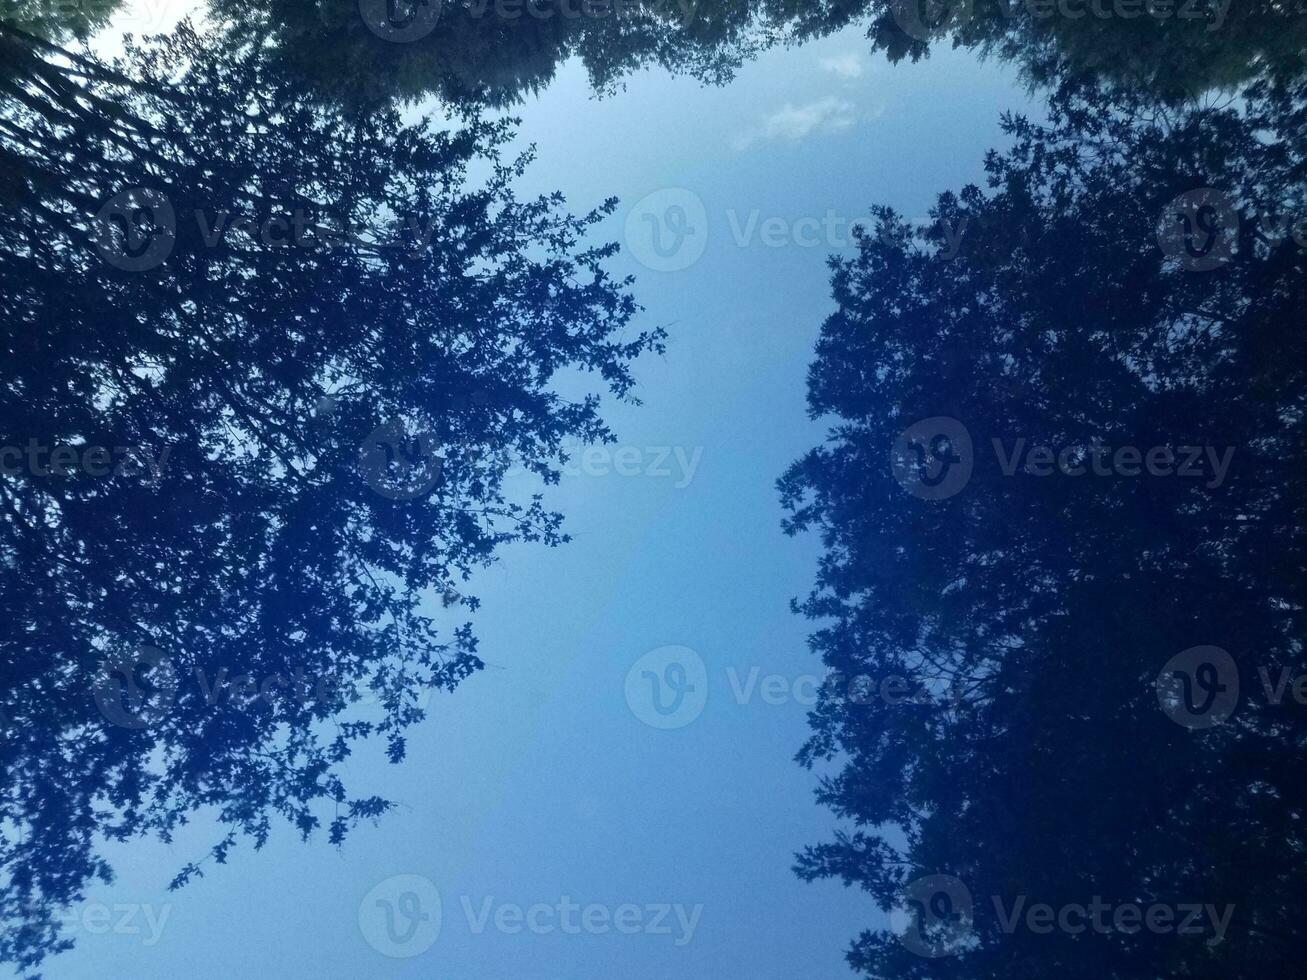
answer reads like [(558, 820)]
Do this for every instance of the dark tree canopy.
[(489, 50), (1188, 48), (1048, 606), (269, 352), (363, 280), (58, 19), (359, 52)]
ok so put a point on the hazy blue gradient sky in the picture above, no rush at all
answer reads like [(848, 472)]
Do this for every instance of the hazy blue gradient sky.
[(536, 780)]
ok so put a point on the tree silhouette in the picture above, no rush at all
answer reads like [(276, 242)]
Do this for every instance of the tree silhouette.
[(357, 51), (1127, 281), (265, 368), (58, 20), (1187, 48), (493, 51)]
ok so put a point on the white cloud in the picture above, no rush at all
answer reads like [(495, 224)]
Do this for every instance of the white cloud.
[(795, 123), (845, 65)]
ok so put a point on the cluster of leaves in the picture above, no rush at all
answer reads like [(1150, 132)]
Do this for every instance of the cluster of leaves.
[(424, 298), (1051, 604), (58, 19), (1181, 52), (493, 51)]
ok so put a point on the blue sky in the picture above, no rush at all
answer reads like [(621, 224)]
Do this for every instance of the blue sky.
[(538, 781)]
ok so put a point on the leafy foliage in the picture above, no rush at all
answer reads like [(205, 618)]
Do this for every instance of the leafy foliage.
[(58, 19), (1187, 48), (494, 51), (415, 295), (1047, 606)]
